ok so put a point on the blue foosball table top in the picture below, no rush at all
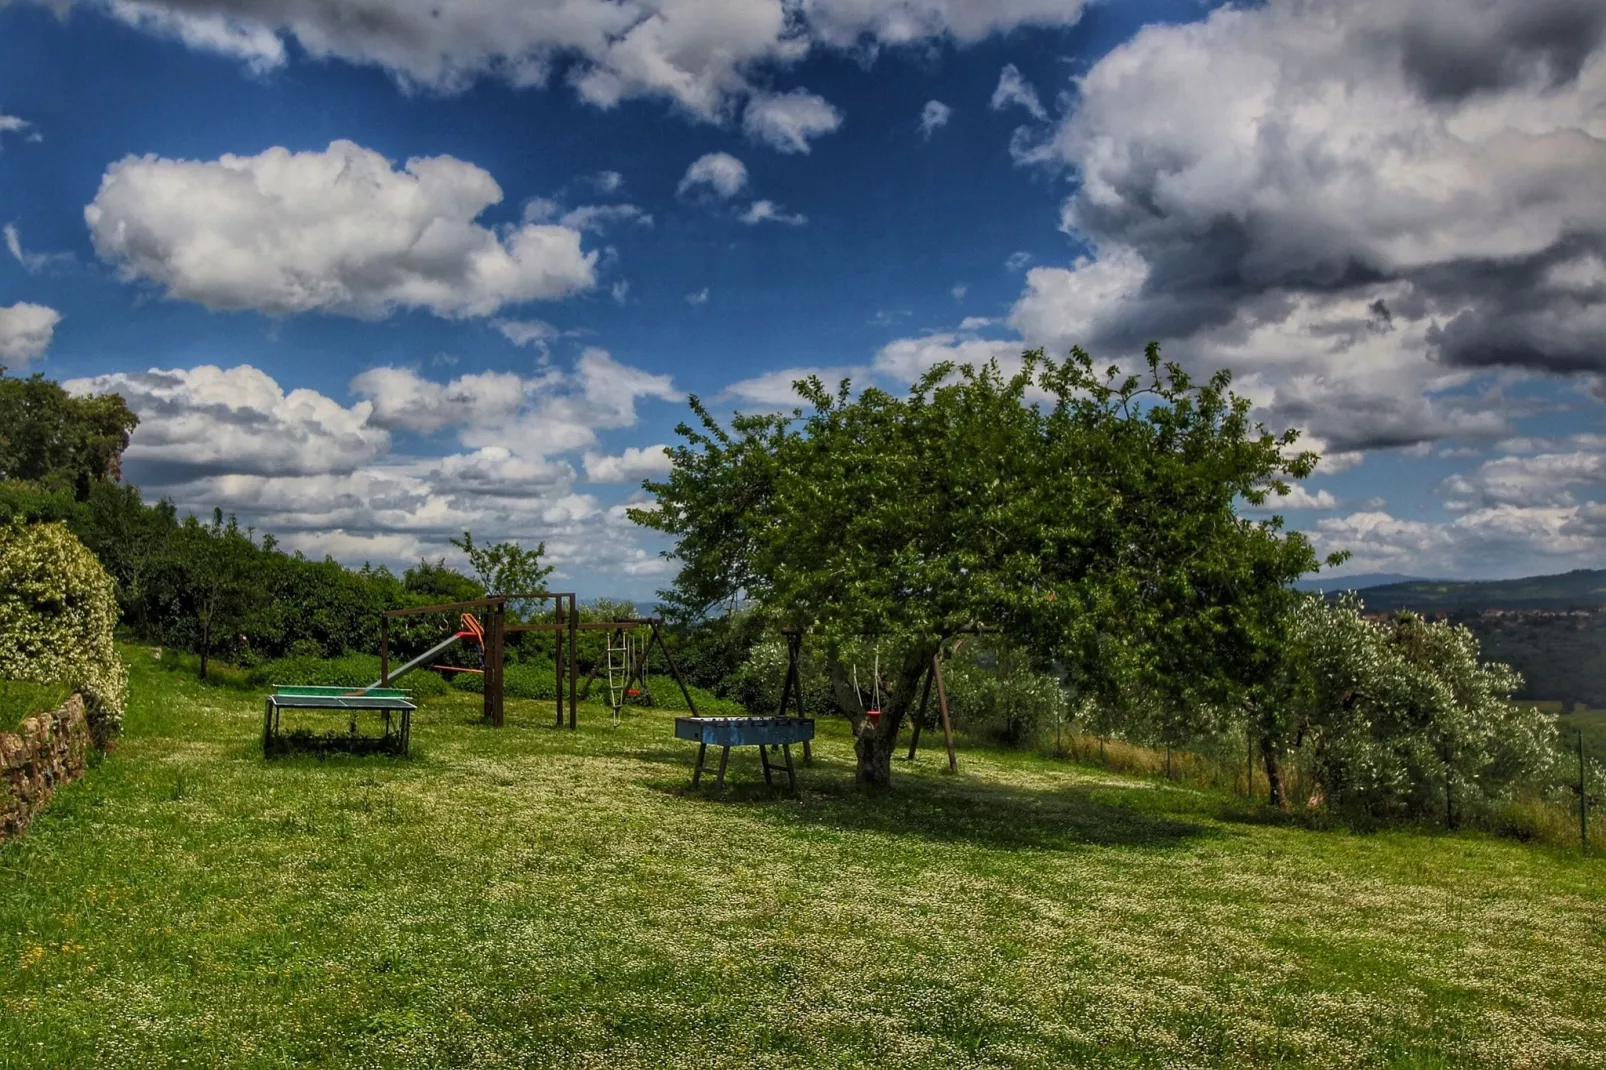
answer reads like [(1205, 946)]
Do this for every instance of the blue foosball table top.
[(745, 731)]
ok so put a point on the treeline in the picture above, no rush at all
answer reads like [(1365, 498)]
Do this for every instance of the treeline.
[(210, 585)]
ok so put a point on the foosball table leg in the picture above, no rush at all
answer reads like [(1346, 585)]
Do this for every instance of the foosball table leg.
[(791, 773), (808, 753), (697, 772), (724, 757), (764, 760)]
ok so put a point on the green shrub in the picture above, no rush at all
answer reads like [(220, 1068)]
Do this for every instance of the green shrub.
[(58, 611), (535, 681), (351, 670), (1013, 707)]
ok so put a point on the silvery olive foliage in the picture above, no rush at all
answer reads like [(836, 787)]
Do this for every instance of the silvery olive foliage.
[(58, 612), (1403, 718)]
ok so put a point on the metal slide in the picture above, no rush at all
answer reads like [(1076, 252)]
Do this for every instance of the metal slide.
[(427, 655)]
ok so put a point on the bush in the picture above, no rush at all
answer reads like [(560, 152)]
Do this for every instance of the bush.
[(1013, 707), (58, 610), (1408, 722), (352, 670), (535, 681), (756, 686)]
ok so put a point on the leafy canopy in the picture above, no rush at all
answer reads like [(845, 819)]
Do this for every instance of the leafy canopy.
[(60, 442), (1091, 516), (506, 567)]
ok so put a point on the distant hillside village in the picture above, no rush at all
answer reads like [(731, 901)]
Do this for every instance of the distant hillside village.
[(1552, 629)]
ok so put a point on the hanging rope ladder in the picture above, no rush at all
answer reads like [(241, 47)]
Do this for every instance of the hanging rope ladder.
[(621, 658)]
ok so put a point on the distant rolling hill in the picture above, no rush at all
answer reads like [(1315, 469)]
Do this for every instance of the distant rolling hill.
[(1356, 582), (1562, 657), (1580, 589)]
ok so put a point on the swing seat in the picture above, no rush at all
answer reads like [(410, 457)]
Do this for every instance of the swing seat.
[(874, 716)]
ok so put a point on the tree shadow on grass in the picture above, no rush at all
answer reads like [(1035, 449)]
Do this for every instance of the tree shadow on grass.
[(960, 809)]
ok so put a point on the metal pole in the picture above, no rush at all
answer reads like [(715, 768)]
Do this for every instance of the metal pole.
[(384, 651), (1583, 796)]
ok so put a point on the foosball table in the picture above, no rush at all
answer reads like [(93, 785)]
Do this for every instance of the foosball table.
[(765, 733)]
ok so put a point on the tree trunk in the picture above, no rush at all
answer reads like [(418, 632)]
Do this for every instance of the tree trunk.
[(874, 743), (1275, 794), (875, 760), (206, 644)]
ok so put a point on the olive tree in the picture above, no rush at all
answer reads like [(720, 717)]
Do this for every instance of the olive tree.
[(1403, 716), (1091, 516)]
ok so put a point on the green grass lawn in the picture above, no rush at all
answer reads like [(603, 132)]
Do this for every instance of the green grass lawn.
[(21, 699), (532, 897)]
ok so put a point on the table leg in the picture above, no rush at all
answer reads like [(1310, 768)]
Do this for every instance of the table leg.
[(724, 756), (764, 760), (697, 771), (267, 726), (791, 772)]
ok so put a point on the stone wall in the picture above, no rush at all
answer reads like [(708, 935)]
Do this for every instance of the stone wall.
[(47, 750)]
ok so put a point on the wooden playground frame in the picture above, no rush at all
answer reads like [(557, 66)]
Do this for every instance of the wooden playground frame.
[(792, 691), (566, 625)]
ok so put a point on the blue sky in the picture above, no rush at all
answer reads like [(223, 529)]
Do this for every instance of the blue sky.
[(1388, 218)]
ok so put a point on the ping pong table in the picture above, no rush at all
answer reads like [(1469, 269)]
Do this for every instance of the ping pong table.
[(388, 701)]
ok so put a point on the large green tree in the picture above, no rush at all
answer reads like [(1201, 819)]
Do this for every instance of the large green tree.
[(58, 441), (1092, 516)]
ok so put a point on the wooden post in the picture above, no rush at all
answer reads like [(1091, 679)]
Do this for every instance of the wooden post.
[(674, 670), (557, 654), (494, 709), (384, 651), (793, 688), (942, 703), (920, 718), (574, 664)]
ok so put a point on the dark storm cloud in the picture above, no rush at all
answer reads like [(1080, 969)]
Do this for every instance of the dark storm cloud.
[(1453, 51), (1452, 152)]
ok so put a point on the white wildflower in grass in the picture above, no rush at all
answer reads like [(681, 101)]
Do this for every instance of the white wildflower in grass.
[(534, 897)]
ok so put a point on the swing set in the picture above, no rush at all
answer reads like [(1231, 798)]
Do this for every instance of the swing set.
[(792, 692), (565, 624), (625, 663)]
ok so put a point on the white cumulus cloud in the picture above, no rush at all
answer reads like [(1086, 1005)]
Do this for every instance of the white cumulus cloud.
[(697, 54), (770, 212), (337, 231), (207, 419), (787, 122), (632, 466), (718, 172), (25, 331)]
